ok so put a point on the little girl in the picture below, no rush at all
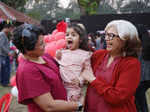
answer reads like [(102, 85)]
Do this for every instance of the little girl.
[(74, 61)]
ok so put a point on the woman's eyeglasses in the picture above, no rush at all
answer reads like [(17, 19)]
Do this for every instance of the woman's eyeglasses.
[(110, 36)]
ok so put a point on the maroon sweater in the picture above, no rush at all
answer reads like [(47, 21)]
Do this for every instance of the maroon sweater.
[(119, 93)]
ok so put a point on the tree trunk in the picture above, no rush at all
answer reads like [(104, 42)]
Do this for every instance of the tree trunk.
[(82, 11)]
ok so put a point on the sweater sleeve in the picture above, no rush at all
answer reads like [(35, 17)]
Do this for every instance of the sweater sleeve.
[(4, 45), (126, 83)]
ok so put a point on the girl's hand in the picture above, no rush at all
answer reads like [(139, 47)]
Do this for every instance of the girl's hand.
[(88, 76), (58, 54), (75, 82), (75, 98)]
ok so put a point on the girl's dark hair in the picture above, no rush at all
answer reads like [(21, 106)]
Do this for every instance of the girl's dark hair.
[(83, 39), (26, 36), (145, 40)]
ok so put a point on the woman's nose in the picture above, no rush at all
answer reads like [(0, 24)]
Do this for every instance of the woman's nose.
[(106, 37)]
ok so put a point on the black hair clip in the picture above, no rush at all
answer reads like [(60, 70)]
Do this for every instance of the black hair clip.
[(26, 32), (27, 28)]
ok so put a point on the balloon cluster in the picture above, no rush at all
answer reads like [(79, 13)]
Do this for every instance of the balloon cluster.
[(56, 40)]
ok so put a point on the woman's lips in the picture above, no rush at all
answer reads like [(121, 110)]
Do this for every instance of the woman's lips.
[(109, 45)]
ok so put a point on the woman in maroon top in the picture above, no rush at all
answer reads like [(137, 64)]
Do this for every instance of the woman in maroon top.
[(39, 84), (116, 70)]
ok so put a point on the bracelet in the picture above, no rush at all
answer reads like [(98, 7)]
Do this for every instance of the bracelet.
[(80, 106)]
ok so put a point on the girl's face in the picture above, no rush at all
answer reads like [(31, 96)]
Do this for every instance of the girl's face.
[(113, 41), (72, 39)]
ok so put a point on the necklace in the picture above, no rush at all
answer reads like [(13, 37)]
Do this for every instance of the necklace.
[(38, 60), (110, 60)]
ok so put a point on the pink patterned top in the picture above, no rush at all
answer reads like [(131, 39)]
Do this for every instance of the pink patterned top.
[(72, 63)]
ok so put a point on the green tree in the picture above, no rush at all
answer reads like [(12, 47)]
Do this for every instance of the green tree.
[(51, 9), (105, 8), (136, 7), (17, 4), (88, 7), (67, 13), (34, 14), (72, 11), (46, 8)]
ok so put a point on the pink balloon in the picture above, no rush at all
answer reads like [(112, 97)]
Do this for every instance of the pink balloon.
[(13, 81), (51, 38), (46, 38), (61, 43), (59, 35), (51, 48), (54, 32)]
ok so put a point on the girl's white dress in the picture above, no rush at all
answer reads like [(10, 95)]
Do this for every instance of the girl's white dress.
[(72, 63)]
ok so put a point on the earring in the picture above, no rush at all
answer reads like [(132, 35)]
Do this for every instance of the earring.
[(124, 54)]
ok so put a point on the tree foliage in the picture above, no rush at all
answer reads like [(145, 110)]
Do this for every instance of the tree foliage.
[(88, 7), (46, 8), (105, 8), (121, 6), (51, 9), (136, 7), (17, 4)]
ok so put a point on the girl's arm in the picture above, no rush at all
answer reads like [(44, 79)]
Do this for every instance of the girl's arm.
[(87, 71)]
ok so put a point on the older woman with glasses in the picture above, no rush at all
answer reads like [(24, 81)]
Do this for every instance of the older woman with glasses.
[(38, 79), (116, 70)]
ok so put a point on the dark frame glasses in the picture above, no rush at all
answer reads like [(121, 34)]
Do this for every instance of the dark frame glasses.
[(110, 36)]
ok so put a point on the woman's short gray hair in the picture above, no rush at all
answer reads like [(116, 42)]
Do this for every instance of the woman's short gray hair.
[(124, 28), (127, 32)]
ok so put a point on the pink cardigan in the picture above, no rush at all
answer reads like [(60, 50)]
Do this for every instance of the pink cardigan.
[(119, 93)]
